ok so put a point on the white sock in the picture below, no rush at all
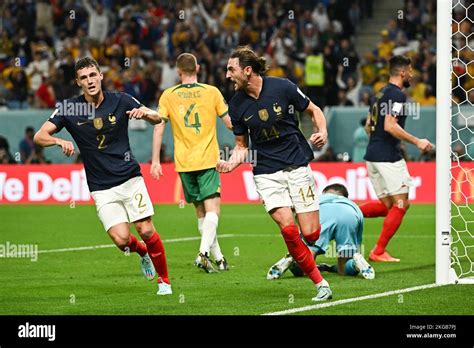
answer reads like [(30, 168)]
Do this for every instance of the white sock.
[(209, 227), (215, 247), (200, 222), (216, 250)]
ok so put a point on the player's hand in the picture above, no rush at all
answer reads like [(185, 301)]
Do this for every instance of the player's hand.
[(66, 146), (156, 171), (319, 139), (136, 113), (224, 167), (424, 145)]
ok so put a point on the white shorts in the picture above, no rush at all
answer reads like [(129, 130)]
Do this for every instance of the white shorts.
[(389, 178), (295, 189), (127, 202)]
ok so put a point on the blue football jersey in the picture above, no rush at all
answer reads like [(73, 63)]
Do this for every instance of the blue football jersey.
[(272, 124), (341, 220), (102, 138), (383, 147)]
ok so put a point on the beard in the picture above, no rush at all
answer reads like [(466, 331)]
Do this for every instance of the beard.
[(242, 85), (406, 83)]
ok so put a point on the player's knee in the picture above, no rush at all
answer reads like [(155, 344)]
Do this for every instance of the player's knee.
[(121, 242), (312, 229), (145, 229)]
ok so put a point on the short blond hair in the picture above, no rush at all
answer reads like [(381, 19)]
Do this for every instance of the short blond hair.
[(187, 63)]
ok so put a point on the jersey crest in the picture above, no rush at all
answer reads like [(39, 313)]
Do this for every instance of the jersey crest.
[(263, 114), (98, 123)]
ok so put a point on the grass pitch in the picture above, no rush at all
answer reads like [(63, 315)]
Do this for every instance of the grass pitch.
[(106, 281)]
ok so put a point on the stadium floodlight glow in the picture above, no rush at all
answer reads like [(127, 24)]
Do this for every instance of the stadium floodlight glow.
[(454, 209)]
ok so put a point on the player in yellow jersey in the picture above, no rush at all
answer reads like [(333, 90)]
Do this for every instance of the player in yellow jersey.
[(193, 108)]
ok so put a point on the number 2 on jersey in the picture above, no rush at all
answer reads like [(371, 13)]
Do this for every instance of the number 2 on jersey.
[(101, 138), (196, 125)]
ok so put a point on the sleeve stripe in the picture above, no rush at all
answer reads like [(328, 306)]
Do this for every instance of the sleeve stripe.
[(54, 113), (225, 113)]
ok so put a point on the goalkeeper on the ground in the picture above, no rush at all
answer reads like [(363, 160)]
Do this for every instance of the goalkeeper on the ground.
[(341, 221)]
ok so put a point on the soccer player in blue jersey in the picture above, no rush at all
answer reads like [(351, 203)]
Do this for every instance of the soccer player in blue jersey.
[(342, 221), (98, 122), (264, 109), (386, 167)]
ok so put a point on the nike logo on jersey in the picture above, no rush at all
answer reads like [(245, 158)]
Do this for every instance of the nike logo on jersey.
[(81, 123), (247, 118)]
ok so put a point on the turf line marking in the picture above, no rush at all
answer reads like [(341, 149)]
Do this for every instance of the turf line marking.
[(184, 239), (175, 240), (354, 299)]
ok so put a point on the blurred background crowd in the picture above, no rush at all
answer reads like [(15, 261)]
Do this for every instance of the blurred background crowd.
[(313, 43)]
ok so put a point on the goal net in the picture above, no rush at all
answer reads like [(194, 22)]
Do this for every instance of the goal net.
[(455, 143)]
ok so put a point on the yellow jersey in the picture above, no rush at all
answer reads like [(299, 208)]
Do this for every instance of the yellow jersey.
[(192, 109)]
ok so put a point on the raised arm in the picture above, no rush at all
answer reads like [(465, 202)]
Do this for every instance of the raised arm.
[(88, 7), (320, 133), (44, 137)]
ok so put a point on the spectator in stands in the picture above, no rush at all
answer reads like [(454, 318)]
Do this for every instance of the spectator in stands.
[(37, 69), (5, 155), (276, 70), (320, 18), (429, 98), (98, 21), (18, 94), (342, 98), (352, 87), (348, 58), (44, 16), (393, 30), (37, 156), (21, 46), (328, 156), (27, 146), (365, 99), (150, 32), (385, 46), (360, 140), (45, 95)]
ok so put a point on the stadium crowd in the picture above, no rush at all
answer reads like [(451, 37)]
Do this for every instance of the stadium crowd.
[(136, 45)]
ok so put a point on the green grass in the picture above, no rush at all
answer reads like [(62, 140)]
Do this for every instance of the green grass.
[(105, 281)]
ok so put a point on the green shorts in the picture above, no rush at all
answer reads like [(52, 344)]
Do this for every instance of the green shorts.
[(200, 184)]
